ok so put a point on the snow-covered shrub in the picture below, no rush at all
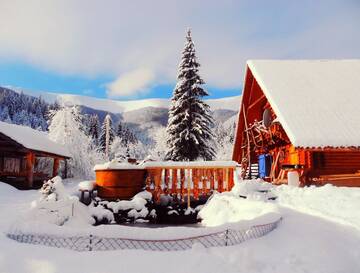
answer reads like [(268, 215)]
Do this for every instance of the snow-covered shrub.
[(56, 206), (66, 128), (53, 190), (101, 214), (139, 208)]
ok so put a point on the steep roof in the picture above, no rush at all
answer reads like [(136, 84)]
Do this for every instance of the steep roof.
[(316, 101), (32, 139)]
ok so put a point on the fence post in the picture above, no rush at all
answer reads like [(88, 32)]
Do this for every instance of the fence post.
[(90, 242), (226, 237)]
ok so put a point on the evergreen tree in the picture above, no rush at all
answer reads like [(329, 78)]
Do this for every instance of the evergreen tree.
[(4, 115), (189, 126), (106, 135), (126, 135), (93, 130)]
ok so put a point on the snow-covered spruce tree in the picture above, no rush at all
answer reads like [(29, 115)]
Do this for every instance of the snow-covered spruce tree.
[(65, 128), (93, 129), (106, 136), (189, 126), (126, 135)]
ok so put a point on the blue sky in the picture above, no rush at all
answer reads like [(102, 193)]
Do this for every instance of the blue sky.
[(21, 75), (131, 49)]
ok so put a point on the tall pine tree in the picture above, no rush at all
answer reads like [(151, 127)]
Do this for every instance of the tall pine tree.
[(106, 135), (189, 126)]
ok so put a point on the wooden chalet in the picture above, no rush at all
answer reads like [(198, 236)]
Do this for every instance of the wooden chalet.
[(20, 150), (303, 117)]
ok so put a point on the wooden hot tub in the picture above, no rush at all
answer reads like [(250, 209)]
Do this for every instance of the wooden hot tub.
[(122, 184)]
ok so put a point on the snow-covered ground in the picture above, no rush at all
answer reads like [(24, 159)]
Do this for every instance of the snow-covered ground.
[(320, 232)]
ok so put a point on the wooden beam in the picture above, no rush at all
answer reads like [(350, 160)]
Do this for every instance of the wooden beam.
[(56, 165), (66, 168), (256, 101), (30, 161)]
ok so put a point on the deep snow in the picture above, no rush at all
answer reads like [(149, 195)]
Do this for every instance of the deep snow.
[(319, 233)]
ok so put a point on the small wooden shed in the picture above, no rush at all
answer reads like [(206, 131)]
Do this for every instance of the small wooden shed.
[(20, 147), (303, 116)]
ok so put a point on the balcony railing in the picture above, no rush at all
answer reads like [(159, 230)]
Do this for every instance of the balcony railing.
[(186, 180)]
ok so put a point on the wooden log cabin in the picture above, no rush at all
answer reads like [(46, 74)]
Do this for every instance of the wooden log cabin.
[(20, 150), (302, 117)]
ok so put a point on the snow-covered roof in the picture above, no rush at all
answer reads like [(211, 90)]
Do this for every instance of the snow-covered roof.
[(316, 101), (32, 139)]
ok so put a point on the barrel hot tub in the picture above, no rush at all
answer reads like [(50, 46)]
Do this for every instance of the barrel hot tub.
[(119, 181)]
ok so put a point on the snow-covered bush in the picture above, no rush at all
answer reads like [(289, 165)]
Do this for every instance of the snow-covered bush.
[(101, 214), (53, 190), (57, 207), (139, 208), (65, 128)]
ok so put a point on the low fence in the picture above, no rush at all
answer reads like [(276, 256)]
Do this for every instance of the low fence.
[(227, 237)]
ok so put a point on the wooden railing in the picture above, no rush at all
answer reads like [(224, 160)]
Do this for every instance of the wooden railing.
[(188, 180)]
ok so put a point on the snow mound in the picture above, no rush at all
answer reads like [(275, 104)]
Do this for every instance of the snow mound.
[(339, 204), (255, 189), (87, 185), (57, 207), (224, 208)]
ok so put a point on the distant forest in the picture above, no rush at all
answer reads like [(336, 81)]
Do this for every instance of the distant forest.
[(22, 109)]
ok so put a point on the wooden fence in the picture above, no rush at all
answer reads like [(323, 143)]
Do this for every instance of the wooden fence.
[(188, 180)]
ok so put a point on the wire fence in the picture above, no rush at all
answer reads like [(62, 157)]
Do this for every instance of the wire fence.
[(227, 237)]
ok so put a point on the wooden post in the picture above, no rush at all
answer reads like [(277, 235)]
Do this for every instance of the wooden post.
[(195, 179), (157, 178), (30, 161), (188, 186), (248, 142), (66, 168), (182, 182), (174, 182), (56, 166)]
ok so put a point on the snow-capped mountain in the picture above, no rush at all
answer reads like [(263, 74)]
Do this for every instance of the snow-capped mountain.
[(121, 106), (141, 116)]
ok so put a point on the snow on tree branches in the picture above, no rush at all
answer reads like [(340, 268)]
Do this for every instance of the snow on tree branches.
[(107, 135), (189, 126), (66, 128)]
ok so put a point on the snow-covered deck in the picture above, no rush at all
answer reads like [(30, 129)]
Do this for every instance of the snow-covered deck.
[(180, 179)]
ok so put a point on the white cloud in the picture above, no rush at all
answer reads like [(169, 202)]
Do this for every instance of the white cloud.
[(90, 38), (131, 83)]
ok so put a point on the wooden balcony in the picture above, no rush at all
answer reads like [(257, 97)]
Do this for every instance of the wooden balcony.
[(186, 180)]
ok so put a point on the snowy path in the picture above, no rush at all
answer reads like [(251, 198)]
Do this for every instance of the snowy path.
[(302, 243)]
